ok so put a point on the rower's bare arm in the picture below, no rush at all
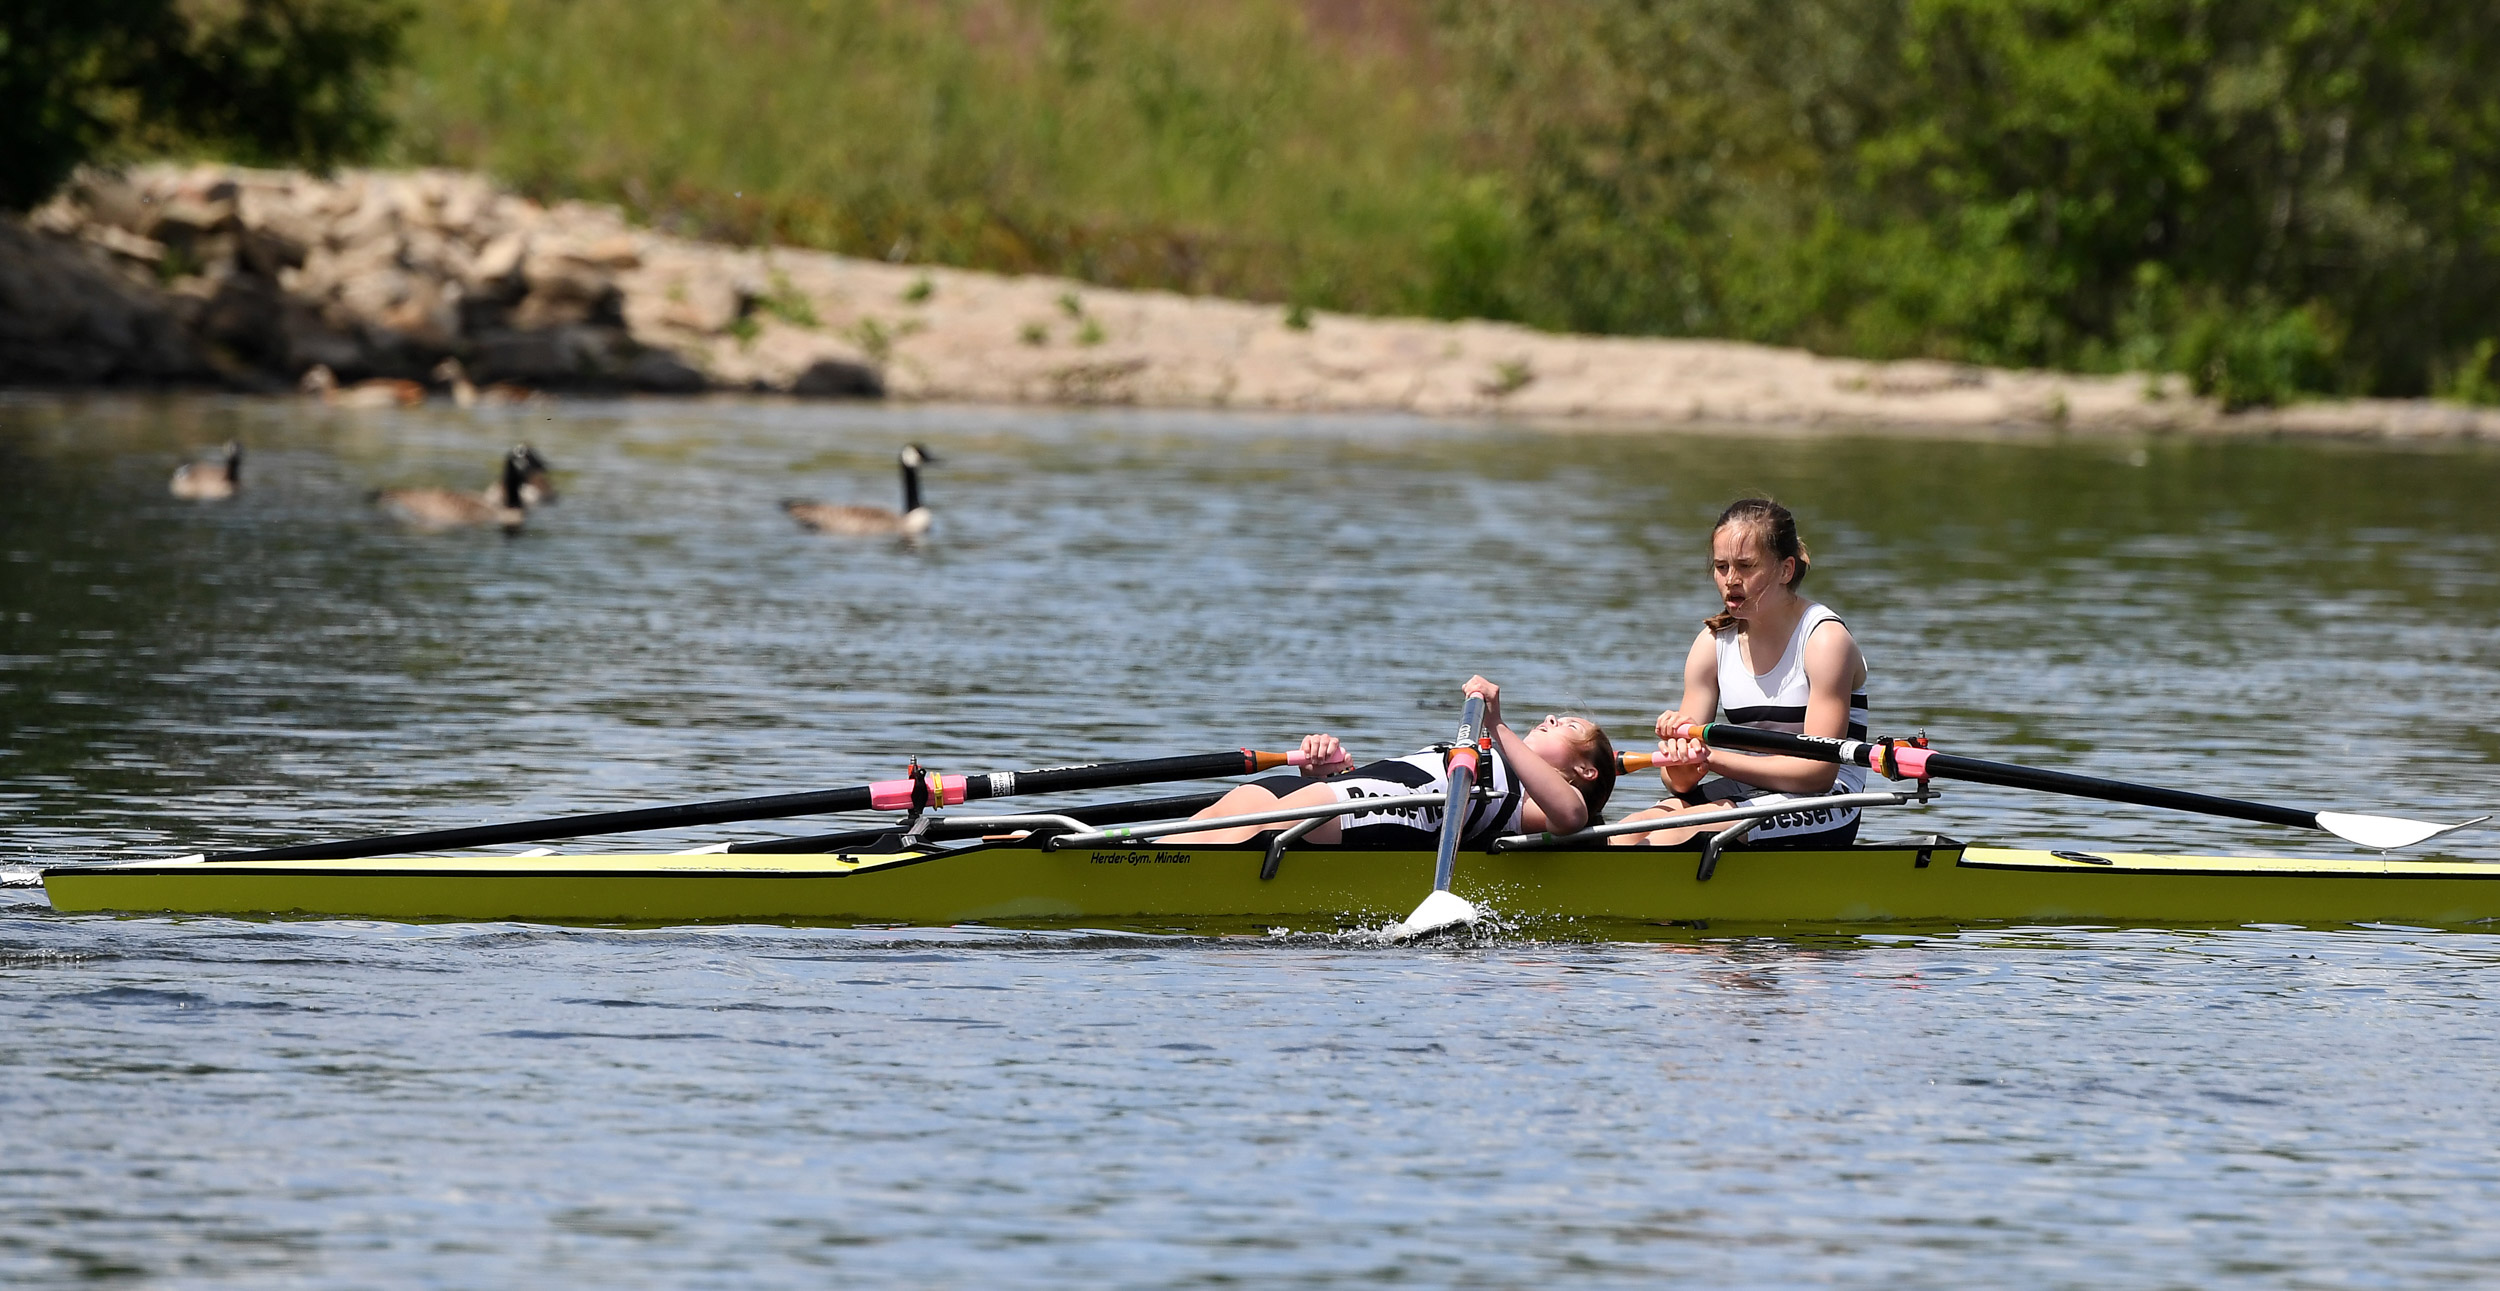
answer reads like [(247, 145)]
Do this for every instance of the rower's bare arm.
[(1834, 671), (1701, 689), (1554, 803), (1699, 704)]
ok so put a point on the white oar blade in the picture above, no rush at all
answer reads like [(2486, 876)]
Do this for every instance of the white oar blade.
[(2386, 833), (1439, 911)]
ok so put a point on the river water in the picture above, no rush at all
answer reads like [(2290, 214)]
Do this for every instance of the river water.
[(204, 1101)]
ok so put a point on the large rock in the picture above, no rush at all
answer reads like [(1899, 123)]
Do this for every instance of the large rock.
[(223, 274), (68, 317), (839, 379)]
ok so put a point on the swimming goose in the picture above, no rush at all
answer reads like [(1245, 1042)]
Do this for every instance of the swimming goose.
[(381, 392), (872, 522), (210, 479), (464, 392), (506, 502), (538, 481)]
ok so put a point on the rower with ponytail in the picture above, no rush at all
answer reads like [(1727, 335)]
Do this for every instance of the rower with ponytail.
[(1771, 658)]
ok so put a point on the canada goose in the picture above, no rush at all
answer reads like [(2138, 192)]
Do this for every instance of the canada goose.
[(538, 480), (506, 502), (381, 392), (872, 522), (210, 479), (464, 392)]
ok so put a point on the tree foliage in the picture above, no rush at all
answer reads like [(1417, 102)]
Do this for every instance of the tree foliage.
[(2271, 195), (254, 80)]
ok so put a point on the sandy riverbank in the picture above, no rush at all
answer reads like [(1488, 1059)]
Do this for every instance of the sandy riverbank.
[(220, 275)]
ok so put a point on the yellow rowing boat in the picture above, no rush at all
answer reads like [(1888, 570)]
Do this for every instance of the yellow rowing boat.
[(1314, 888)]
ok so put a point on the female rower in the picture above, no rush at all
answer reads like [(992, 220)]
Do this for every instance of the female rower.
[(1555, 778), (1775, 660)]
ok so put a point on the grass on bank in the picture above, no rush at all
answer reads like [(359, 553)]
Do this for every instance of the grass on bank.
[(2272, 196), (1222, 148)]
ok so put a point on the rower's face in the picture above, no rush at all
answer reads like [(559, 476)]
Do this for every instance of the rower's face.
[(1567, 744), (1742, 566)]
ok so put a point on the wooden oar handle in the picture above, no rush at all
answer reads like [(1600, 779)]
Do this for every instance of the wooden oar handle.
[(1627, 763)]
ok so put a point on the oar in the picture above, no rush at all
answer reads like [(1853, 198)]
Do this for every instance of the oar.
[(1445, 908), (1105, 813), (1907, 762), (930, 789)]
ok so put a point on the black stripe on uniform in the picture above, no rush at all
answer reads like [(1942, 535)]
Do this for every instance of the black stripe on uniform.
[(1775, 716), (1393, 770), (1486, 819), (1781, 712)]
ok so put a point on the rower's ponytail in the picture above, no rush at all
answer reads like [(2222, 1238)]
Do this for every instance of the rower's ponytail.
[(1601, 756)]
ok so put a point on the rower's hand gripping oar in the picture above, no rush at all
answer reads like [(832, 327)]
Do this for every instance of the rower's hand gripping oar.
[(1444, 908), (913, 793), (1902, 761)]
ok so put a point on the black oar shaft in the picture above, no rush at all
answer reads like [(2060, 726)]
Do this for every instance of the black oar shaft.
[(2010, 775), (685, 815), (1107, 813), (1102, 775), (1112, 775), (1981, 771)]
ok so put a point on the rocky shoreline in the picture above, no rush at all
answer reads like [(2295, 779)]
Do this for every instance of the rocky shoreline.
[(222, 276)]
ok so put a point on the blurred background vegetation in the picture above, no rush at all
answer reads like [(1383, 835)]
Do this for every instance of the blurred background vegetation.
[(2271, 196), (264, 81)]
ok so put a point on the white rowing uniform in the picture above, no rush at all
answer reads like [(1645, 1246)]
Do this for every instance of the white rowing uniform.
[(1494, 813), (1775, 700)]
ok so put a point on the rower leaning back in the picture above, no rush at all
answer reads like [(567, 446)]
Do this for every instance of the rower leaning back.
[(1555, 778)]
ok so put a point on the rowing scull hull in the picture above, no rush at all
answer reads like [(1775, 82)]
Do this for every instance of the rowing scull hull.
[(1316, 888)]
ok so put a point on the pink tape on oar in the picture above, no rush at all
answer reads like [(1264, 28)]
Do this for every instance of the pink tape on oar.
[(1908, 762), (895, 795)]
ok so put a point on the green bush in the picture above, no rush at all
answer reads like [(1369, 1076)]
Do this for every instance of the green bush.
[(260, 81), (2475, 377), (2255, 355), (2315, 184)]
